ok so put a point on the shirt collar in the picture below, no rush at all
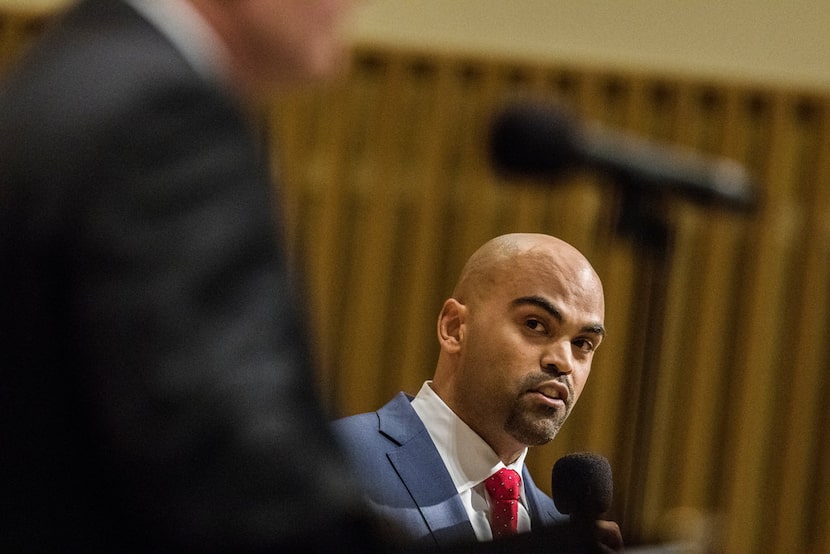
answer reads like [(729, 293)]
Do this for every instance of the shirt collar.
[(189, 32), (469, 460)]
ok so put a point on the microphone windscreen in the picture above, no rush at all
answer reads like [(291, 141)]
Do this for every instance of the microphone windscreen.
[(533, 139), (582, 484)]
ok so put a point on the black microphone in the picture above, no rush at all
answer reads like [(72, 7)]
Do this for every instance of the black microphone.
[(582, 487), (545, 140)]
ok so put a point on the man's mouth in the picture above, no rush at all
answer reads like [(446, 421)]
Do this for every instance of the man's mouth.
[(553, 393)]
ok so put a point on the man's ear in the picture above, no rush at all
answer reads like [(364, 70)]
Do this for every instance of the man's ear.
[(451, 322)]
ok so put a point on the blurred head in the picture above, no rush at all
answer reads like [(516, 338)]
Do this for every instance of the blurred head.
[(517, 339), (274, 43)]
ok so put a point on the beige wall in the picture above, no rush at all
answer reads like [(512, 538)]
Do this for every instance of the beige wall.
[(773, 41), (767, 40)]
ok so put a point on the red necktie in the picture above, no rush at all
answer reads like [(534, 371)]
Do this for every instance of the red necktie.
[(504, 487)]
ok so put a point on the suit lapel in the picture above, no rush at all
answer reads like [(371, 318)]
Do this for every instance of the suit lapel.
[(420, 468), (542, 510), (422, 472)]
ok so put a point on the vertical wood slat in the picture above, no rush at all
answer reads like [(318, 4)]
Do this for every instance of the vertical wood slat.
[(818, 505), (697, 353), (817, 532), (375, 226), (801, 438), (315, 141), (668, 433), (710, 352), (747, 498), (622, 107), (418, 303)]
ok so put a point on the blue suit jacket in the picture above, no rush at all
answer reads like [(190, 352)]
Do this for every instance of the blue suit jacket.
[(411, 487)]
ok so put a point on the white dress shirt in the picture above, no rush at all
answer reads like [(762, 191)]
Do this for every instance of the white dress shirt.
[(469, 460)]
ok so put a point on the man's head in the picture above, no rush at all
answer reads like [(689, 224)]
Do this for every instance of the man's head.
[(517, 339), (274, 43)]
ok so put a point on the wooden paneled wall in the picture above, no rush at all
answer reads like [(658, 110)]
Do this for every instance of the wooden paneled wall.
[(707, 394)]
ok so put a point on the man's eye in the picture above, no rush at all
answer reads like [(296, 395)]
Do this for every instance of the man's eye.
[(584, 345), (535, 325)]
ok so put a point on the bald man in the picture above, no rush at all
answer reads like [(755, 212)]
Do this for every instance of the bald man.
[(156, 380), (517, 339)]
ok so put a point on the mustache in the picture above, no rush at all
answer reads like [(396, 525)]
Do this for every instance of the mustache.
[(535, 380)]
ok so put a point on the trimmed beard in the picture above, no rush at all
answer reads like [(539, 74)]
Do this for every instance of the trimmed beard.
[(536, 425)]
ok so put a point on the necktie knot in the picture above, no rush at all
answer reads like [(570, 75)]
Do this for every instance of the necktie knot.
[(504, 487)]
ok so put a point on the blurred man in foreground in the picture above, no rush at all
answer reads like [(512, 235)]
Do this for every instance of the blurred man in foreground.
[(156, 376)]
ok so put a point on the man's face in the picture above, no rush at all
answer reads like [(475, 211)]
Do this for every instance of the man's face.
[(290, 41), (528, 349)]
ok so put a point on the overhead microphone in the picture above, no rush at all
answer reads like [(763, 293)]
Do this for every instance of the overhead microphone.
[(545, 140)]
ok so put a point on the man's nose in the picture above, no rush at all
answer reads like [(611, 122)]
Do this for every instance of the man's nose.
[(558, 358)]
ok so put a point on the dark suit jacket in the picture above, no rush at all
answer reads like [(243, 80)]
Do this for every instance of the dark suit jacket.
[(154, 372), (407, 483)]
